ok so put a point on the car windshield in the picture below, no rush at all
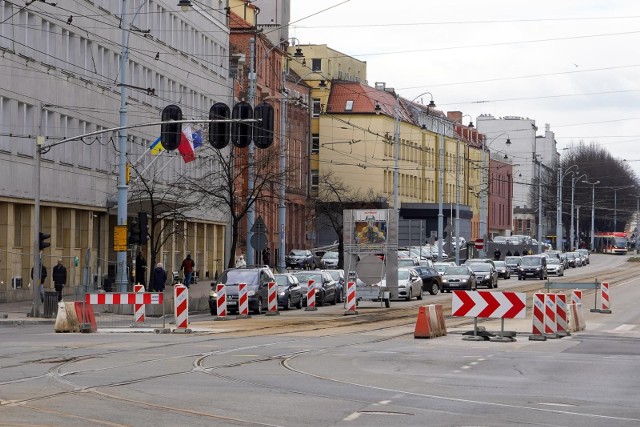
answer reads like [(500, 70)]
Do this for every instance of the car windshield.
[(403, 274), (583, 251), (480, 267), (405, 262), (553, 261), (512, 260), (233, 277), (330, 255), (500, 264), (304, 278), (533, 261), (441, 267), (282, 280), (454, 271), (335, 274), (298, 252)]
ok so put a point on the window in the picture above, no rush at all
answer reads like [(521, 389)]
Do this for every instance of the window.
[(316, 64), (317, 107), (315, 180), (348, 106), (315, 143)]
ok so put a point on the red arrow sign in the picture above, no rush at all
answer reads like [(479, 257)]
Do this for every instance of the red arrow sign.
[(496, 305)]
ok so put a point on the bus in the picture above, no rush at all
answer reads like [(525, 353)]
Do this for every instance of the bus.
[(611, 242)]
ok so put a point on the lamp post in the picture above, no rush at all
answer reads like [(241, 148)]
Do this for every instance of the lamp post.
[(559, 203), (574, 178), (457, 223), (593, 207)]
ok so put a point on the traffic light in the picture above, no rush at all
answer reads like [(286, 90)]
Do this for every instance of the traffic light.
[(170, 133), (134, 233), (241, 133), (219, 132), (42, 238), (143, 229), (263, 130)]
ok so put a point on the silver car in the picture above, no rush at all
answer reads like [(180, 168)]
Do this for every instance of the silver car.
[(555, 266), (409, 284)]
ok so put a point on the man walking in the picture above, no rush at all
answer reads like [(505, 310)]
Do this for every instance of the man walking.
[(43, 276), (59, 278), (187, 265)]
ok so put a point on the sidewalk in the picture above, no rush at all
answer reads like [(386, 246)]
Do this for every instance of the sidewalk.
[(16, 313)]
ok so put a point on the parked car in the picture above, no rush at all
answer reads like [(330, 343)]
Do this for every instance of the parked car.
[(409, 284), (324, 284), (503, 269), (300, 259), (458, 278), (480, 260), (533, 266), (257, 280), (585, 255), (329, 260), (431, 279), (407, 262), (213, 300), (486, 274), (289, 291), (555, 266), (341, 286), (572, 260), (442, 266)]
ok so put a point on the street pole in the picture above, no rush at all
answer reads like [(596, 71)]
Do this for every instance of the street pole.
[(539, 206), (35, 309), (559, 211), (572, 231), (593, 209), (483, 199), (121, 256), (637, 218), (615, 210), (458, 202), (282, 208), (396, 143), (251, 213), (440, 136)]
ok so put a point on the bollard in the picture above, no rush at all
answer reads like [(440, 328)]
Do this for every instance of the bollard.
[(138, 309), (243, 301), (604, 298), (351, 299), (538, 318), (272, 298), (311, 297), (181, 308), (221, 302), (550, 325)]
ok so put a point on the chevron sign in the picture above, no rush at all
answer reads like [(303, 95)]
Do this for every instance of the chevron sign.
[(497, 305)]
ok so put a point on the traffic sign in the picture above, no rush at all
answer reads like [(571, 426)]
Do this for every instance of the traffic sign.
[(479, 243), (259, 226), (259, 241), (496, 305), (119, 238)]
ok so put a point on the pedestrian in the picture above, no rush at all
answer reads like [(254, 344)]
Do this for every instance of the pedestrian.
[(141, 269), (265, 256), (43, 275), (187, 265), (497, 254), (508, 253), (59, 276), (516, 253), (158, 278), (240, 262)]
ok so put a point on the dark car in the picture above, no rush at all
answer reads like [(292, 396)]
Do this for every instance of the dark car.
[(458, 278), (324, 284), (213, 300), (486, 274), (431, 279), (341, 286), (572, 260), (533, 266), (289, 291), (513, 262), (504, 271), (257, 280), (300, 259)]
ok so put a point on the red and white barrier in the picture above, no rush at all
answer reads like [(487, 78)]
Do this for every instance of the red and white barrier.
[(272, 298), (497, 305), (351, 299), (311, 297), (605, 302), (576, 318), (561, 315), (430, 322), (221, 301), (550, 325), (537, 331), (138, 309), (243, 300), (124, 298), (181, 306), (576, 296)]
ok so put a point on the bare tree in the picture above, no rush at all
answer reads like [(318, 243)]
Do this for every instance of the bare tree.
[(223, 184), (334, 196)]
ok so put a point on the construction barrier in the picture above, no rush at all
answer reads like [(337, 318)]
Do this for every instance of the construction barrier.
[(221, 301), (537, 331), (561, 315), (272, 299), (550, 325), (350, 307), (605, 303), (243, 301), (86, 315), (311, 297), (138, 309), (430, 322), (495, 305), (67, 318), (181, 307), (576, 296), (576, 318)]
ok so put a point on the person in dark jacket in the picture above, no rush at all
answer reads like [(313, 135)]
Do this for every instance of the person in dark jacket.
[(43, 275), (188, 265), (158, 278), (141, 269), (59, 276)]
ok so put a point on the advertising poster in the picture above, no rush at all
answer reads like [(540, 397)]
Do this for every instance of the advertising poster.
[(370, 227)]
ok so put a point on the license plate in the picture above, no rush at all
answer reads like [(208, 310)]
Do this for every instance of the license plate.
[(232, 303), (453, 285)]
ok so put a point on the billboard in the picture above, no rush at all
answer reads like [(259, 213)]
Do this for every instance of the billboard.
[(370, 228)]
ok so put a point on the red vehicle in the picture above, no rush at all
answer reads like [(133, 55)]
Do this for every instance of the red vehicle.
[(611, 242)]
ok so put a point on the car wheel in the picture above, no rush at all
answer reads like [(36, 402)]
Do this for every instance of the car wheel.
[(335, 297), (258, 309), (299, 303), (495, 284), (320, 299), (420, 294), (287, 303), (434, 288), (409, 295)]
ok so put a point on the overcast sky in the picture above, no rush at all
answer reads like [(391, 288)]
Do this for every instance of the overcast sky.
[(570, 63)]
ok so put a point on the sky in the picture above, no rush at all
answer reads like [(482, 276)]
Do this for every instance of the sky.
[(572, 64)]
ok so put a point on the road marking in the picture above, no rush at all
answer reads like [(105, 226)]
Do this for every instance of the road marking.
[(352, 417), (624, 328), (555, 404), (384, 402), (465, 367), (473, 363)]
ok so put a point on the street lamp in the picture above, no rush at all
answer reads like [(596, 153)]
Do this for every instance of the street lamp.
[(561, 177), (593, 207), (574, 178), (457, 223)]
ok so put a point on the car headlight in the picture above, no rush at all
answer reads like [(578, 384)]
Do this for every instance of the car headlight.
[(520, 269), (281, 293), (402, 285), (445, 280), (251, 293), (464, 280), (538, 268)]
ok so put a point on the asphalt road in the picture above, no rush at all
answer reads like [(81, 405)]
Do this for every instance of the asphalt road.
[(325, 369)]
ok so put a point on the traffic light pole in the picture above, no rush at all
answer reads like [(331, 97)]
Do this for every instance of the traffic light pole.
[(35, 308)]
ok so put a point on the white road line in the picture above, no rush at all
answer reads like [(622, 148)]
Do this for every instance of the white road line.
[(352, 417), (624, 328)]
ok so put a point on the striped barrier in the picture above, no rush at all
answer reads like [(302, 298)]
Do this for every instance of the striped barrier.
[(221, 301), (537, 331), (430, 322), (561, 315), (243, 301), (350, 307), (138, 309), (576, 296), (576, 318), (124, 298), (311, 297), (605, 303), (181, 308), (272, 299), (550, 325)]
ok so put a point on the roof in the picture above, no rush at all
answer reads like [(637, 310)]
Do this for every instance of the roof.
[(364, 99)]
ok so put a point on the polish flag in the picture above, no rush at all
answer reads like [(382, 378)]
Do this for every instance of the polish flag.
[(186, 145)]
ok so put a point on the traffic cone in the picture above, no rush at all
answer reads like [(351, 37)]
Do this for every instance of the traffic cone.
[(423, 324)]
